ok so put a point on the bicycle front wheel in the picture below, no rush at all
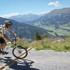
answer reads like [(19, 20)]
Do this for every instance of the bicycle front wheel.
[(19, 52)]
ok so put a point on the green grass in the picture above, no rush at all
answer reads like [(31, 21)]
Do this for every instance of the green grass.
[(66, 26), (20, 42), (49, 44), (62, 30), (52, 33)]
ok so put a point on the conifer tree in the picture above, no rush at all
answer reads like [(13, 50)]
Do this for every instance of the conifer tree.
[(37, 36)]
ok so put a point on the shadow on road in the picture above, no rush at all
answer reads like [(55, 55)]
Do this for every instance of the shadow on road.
[(5, 60), (19, 65), (25, 65)]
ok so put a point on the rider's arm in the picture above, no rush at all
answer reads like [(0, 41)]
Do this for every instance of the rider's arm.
[(4, 35), (11, 32)]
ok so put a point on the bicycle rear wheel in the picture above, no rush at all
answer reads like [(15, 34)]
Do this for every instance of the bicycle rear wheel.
[(19, 52)]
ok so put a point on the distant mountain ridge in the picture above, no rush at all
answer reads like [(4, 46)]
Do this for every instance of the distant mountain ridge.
[(25, 18), (54, 16), (59, 11)]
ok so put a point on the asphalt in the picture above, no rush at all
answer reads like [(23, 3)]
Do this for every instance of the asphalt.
[(39, 60)]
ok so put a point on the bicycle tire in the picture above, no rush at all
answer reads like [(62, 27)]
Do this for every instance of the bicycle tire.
[(20, 48)]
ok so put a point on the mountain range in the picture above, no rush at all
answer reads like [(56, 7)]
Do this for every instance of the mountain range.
[(22, 29), (25, 18), (57, 21), (54, 23)]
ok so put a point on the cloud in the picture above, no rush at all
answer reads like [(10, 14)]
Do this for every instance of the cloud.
[(56, 4), (43, 12), (38, 13), (9, 15)]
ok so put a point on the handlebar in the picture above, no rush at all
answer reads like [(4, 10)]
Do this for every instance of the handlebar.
[(14, 39)]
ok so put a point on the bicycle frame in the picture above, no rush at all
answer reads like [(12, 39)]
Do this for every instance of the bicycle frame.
[(11, 44), (18, 49)]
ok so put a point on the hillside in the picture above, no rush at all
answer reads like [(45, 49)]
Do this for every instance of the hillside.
[(57, 21), (24, 30)]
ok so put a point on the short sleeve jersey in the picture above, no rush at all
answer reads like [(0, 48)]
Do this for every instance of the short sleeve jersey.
[(3, 31)]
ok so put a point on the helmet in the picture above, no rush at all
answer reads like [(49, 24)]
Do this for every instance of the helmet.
[(8, 22)]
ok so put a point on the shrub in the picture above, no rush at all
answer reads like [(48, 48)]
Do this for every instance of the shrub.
[(67, 47)]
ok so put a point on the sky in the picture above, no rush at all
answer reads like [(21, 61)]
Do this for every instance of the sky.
[(20, 7)]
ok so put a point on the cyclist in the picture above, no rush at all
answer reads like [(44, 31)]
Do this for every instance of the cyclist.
[(3, 36)]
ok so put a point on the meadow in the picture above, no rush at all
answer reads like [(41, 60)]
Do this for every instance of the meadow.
[(57, 44)]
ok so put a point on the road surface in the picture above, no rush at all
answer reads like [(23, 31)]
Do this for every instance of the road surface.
[(39, 60)]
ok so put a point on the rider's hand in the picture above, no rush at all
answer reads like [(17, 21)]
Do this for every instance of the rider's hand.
[(12, 42), (15, 34)]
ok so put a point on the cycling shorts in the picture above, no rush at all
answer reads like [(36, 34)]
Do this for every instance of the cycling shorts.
[(2, 40)]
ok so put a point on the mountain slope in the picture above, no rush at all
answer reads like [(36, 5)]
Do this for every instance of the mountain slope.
[(25, 30), (54, 21)]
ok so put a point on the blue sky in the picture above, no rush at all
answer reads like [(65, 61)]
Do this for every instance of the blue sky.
[(16, 7)]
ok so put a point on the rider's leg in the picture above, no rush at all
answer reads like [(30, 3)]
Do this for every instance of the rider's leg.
[(2, 50), (3, 45), (2, 42)]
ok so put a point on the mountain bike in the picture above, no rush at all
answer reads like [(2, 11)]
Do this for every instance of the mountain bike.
[(18, 51)]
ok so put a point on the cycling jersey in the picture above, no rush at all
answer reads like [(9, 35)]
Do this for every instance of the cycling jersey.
[(3, 31)]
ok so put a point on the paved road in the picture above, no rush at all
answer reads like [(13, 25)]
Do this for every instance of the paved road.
[(40, 60)]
